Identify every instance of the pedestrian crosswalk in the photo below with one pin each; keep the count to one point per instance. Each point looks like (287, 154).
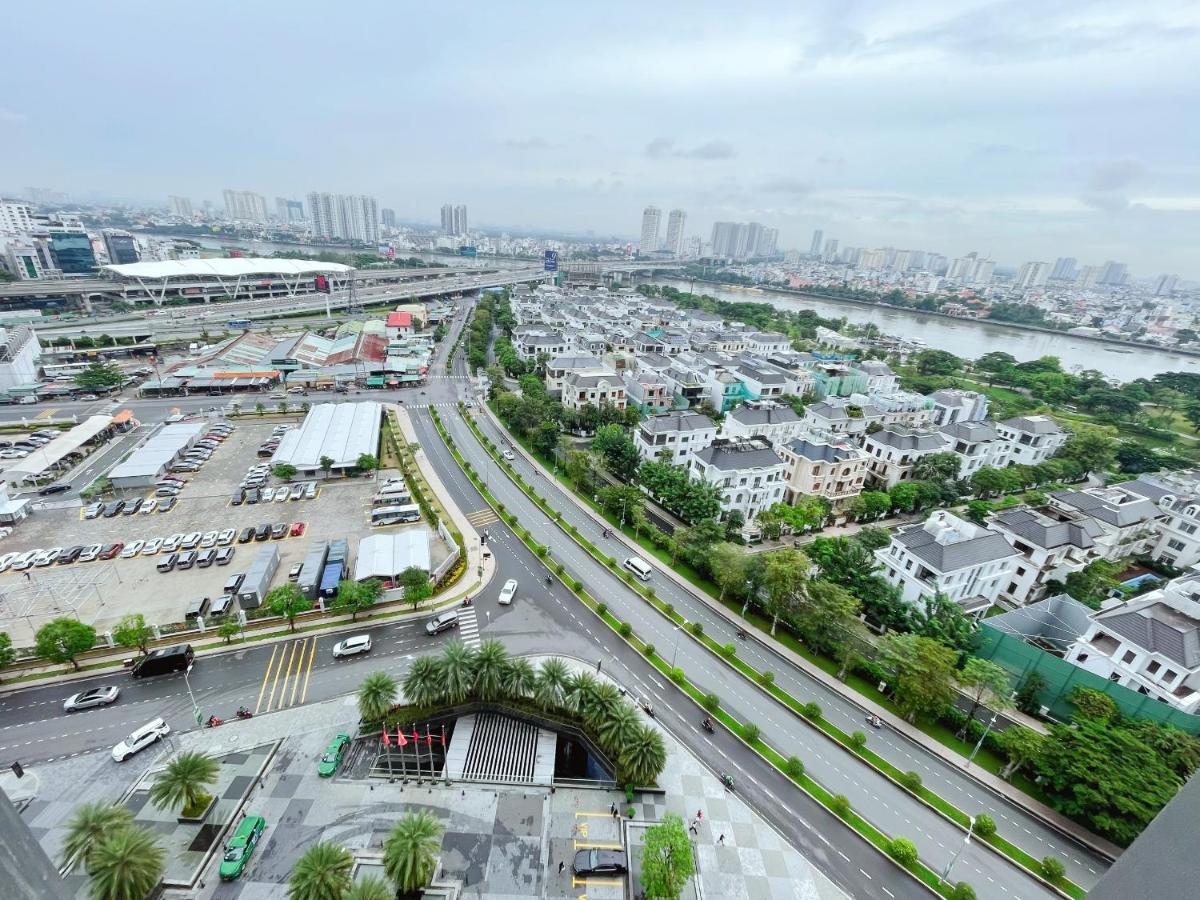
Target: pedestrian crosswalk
(482, 517)
(468, 627)
(450, 405)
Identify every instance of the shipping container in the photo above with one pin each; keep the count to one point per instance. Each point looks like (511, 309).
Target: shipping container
(333, 574)
(257, 582)
(310, 572)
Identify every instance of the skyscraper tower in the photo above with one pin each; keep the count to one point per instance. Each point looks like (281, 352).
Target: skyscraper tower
(675, 223)
(818, 241)
(460, 219)
(651, 217)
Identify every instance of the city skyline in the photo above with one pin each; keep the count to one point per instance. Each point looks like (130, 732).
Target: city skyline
(960, 130)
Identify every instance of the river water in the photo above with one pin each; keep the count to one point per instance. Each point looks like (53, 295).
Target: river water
(968, 338)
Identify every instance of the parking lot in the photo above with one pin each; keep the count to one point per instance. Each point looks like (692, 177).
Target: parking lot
(340, 509)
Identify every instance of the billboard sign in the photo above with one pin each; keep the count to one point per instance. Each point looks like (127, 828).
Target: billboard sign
(551, 261)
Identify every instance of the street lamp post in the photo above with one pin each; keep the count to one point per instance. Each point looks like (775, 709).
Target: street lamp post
(982, 738)
(624, 500)
(188, 684)
(675, 650)
(950, 865)
(749, 594)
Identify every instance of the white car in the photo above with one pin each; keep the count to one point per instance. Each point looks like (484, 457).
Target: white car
(268, 494)
(25, 560)
(90, 553)
(281, 495)
(150, 505)
(310, 490)
(508, 592)
(360, 643)
(171, 544)
(141, 739)
(507, 454)
(152, 547)
(13, 454)
(47, 557)
(225, 538)
(132, 549)
(209, 539)
(101, 696)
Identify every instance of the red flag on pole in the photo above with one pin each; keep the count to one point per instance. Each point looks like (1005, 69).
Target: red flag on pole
(428, 737)
(401, 741)
(443, 736)
(416, 737)
(387, 741)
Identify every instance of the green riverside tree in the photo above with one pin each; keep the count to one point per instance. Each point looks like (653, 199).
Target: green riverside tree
(62, 640)
(667, 861)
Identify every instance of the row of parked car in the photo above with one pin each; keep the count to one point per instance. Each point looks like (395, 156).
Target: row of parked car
(21, 448)
(131, 507)
(216, 541)
(268, 447)
(197, 455)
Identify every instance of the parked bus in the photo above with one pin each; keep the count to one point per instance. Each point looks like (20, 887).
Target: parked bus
(64, 370)
(395, 515)
(238, 323)
(380, 500)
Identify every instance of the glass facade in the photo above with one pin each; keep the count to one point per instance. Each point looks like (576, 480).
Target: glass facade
(73, 253)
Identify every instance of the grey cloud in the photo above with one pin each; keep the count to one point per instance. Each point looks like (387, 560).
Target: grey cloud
(1107, 202)
(529, 143)
(786, 186)
(663, 148)
(1114, 175)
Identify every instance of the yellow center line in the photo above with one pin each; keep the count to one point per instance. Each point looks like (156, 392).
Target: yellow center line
(266, 677)
(596, 845)
(607, 814)
(279, 671)
(299, 669)
(308, 672)
(584, 882)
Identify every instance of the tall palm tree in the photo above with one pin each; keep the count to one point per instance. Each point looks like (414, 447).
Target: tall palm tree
(376, 695)
(519, 678)
(620, 727)
(126, 864)
(370, 887)
(488, 670)
(322, 873)
(422, 685)
(606, 698)
(89, 823)
(182, 784)
(550, 691)
(456, 669)
(581, 690)
(410, 851)
(643, 758)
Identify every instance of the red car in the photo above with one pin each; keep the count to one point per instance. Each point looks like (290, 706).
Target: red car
(298, 529)
(111, 550)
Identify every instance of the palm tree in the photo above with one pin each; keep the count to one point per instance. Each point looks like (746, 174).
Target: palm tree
(606, 699)
(551, 688)
(126, 864)
(620, 727)
(410, 851)
(89, 823)
(519, 680)
(422, 683)
(456, 670)
(322, 873)
(488, 670)
(371, 887)
(580, 692)
(376, 695)
(182, 784)
(643, 758)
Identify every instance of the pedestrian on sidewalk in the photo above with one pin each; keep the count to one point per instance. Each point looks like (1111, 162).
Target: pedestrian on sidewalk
(612, 808)
(561, 864)
(721, 840)
(598, 662)
(692, 828)
(700, 815)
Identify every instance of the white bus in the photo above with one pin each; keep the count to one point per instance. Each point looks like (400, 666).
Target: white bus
(395, 515)
(391, 500)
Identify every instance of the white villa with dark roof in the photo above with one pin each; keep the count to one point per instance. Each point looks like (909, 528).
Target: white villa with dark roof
(1034, 439)
(944, 554)
(1051, 548)
(1177, 496)
(834, 470)
(893, 451)
(749, 473)
(674, 435)
(977, 444)
(776, 423)
(597, 388)
(1127, 520)
(1150, 644)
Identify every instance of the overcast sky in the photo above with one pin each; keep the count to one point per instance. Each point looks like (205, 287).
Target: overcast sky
(1021, 130)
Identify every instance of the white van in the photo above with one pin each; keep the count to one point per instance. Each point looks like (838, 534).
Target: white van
(394, 486)
(141, 739)
(639, 567)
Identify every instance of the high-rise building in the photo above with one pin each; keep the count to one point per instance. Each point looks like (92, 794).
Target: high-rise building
(872, 259)
(180, 206)
(768, 243)
(347, 217)
(962, 267)
(388, 216)
(831, 250)
(1113, 273)
(121, 246)
(1064, 269)
(72, 252)
(1032, 275)
(1164, 286)
(245, 206)
(981, 272)
(651, 217)
(454, 219)
(1088, 277)
(289, 211)
(675, 225)
(447, 219)
(460, 219)
(818, 241)
(754, 234)
(16, 217)
(900, 261)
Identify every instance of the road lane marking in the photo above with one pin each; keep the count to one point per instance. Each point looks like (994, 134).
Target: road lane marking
(290, 652)
(299, 670)
(266, 677)
(308, 674)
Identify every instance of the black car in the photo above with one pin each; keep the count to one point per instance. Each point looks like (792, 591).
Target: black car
(246, 536)
(134, 505)
(54, 489)
(69, 555)
(278, 530)
(599, 862)
(238, 498)
(253, 496)
(114, 509)
(165, 504)
(262, 532)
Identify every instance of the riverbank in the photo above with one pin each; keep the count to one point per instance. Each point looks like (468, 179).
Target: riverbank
(1119, 345)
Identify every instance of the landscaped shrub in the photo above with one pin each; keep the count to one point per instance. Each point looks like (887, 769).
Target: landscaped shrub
(611, 562)
(543, 551)
(766, 677)
(911, 781)
(648, 649)
(651, 593)
(794, 767)
(678, 676)
(629, 793)
(577, 586)
(628, 576)
(696, 628)
(858, 740)
(985, 825)
(750, 732)
(840, 805)
(625, 629)
(962, 891)
(669, 609)
(712, 702)
(903, 851)
(1052, 869)
(729, 651)
(811, 710)
(601, 608)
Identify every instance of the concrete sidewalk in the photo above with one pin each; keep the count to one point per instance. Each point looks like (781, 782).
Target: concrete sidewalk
(992, 782)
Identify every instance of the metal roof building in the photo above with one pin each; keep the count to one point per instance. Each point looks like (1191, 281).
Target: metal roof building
(40, 461)
(145, 464)
(385, 556)
(244, 266)
(340, 431)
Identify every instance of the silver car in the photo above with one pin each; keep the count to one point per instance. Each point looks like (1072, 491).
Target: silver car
(101, 696)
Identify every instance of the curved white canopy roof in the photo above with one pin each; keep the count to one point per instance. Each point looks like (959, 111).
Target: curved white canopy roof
(224, 268)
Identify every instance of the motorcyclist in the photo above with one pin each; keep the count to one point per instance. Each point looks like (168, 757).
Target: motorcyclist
(707, 724)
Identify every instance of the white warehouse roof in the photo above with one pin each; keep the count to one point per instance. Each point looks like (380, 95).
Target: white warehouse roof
(341, 431)
(385, 556)
(223, 268)
(58, 449)
(156, 453)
